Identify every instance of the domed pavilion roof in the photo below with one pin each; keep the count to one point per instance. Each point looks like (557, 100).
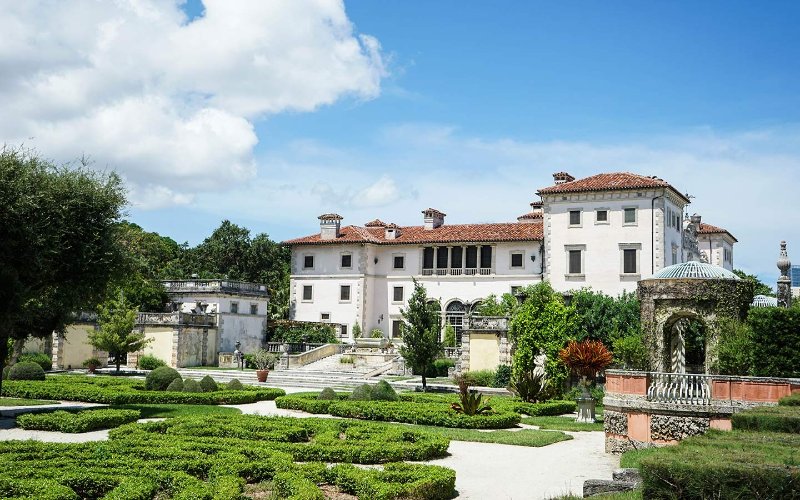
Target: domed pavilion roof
(696, 270)
(764, 301)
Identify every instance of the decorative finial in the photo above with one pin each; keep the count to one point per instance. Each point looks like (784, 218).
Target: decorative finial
(784, 264)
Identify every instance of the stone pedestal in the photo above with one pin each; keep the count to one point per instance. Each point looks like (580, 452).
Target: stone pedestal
(586, 413)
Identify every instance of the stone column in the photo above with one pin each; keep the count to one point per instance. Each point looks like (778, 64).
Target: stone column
(784, 282)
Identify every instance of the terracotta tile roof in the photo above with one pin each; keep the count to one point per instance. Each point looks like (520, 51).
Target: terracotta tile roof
(709, 229)
(375, 223)
(457, 233)
(616, 181)
(531, 215)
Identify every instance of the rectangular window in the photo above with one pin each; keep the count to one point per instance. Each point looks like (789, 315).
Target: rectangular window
(234, 308)
(344, 293)
(307, 292)
(441, 257)
(325, 317)
(486, 257)
(399, 262)
(630, 216)
(516, 259)
(674, 256)
(427, 258)
(343, 331)
(472, 257)
(575, 266)
(253, 308)
(347, 261)
(515, 290)
(455, 257)
(601, 216)
(397, 294)
(629, 261)
(308, 262)
(397, 329)
(574, 217)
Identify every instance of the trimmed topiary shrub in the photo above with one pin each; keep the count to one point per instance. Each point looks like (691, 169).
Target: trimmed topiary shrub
(148, 362)
(769, 419)
(41, 359)
(26, 370)
(235, 385)
(190, 385)
(327, 394)
(502, 376)
(175, 386)
(362, 393)
(481, 378)
(207, 384)
(383, 392)
(160, 378)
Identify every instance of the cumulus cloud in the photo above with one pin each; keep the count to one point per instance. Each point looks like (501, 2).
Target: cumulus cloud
(167, 102)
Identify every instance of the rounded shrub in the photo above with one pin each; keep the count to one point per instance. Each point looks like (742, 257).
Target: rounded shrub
(207, 384)
(235, 385)
(327, 394)
(190, 385)
(160, 378)
(175, 386)
(41, 359)
(361, 393)
(26, 370)
(384, 392)
(148, 362)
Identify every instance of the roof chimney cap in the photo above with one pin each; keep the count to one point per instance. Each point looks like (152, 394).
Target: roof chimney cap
(329, 225)
(375, 223)
(433, 218)
(562, 177)
(330, 217)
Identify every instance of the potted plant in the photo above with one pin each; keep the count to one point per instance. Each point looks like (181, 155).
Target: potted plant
(264, 361)
(92, 364)
(585, 358)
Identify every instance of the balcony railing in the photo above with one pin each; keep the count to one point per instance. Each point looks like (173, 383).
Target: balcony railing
(220, 286)
(680, 388)
(174, 318)
(489, 323)
(452, 352)
(458, 271)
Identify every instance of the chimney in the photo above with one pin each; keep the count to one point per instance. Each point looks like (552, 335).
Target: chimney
(329, 226)
(537, 207)
(536, 213)
(391, 231)
(562, 177)
(433, 218)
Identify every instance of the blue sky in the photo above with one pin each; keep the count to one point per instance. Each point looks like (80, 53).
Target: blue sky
(467, 107)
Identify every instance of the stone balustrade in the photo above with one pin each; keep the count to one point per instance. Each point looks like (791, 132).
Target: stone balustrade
(216, 286)
(489, 323)
(174, 319)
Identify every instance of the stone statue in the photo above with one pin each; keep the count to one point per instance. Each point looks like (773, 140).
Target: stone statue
(784, 282)
(539, 362)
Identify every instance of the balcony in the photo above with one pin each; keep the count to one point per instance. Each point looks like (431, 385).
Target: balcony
(174, 319)
(216, 286)
(458, 271)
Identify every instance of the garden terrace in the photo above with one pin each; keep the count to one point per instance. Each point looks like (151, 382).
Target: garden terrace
(119, 390)
(174, 318)
(218, 456)
(646, 408)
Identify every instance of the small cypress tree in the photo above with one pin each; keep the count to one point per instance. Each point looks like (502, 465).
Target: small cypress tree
(421, 325)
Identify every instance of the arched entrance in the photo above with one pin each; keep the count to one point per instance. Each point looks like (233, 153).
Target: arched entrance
(685, 344)
(455, 313)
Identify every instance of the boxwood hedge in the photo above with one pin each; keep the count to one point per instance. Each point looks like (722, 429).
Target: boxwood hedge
(182, 458)
(84, 421)
(118, 390)
(768, 418)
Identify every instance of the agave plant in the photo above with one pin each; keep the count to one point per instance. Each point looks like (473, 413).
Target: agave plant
(530, 386)
(470, 399)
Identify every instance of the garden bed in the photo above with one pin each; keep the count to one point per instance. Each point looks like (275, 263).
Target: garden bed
(118, 391)
(77, 422)
(216, 456)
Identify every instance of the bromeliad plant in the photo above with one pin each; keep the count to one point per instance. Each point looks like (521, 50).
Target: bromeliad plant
(530, 386)
(586, 358)
(470, 399)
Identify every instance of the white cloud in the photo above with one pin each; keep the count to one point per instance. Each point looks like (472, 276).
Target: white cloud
(168, 103)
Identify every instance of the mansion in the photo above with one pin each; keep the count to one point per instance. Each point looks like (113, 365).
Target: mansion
(606, 231)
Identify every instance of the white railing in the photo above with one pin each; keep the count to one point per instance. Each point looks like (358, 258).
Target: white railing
(485, 271)
(471, 271)
(427, 272)
(458, 271)
(680, 388)
(241, 287)
(441, 272)
(452, 352)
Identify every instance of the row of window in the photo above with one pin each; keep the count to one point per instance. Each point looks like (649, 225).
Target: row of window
(629, 216)
(674, 219)
(346, 261)
(235, 308)
(629, 258)
(398, 293)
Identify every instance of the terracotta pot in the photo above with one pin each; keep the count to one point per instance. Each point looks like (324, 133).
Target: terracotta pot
(262, 375)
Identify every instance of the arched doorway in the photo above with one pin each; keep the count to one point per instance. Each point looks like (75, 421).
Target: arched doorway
(685, 343)
(455, 312)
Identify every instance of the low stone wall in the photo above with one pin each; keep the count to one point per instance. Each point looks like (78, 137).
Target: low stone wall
(632, 421)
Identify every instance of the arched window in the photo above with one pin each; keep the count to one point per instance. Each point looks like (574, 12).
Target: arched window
(454, 315)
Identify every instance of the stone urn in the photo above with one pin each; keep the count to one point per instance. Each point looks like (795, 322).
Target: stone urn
(261, 375)
(586, 404)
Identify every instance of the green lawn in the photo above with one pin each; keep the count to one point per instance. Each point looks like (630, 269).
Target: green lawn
(24, 402)
(524, 437)
(563, 423)
(177, 410)
(628, 495)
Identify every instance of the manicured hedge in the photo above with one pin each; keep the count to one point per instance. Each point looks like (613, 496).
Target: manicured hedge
(769, 419)
(793, 400)
(438, 414)
(118, 390)
(724, 465)
(84, 421)
(184, 459)
(500, 403)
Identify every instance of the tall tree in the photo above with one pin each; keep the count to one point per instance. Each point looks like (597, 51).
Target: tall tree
(116, 335)
(58, 241)
(421, 324)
